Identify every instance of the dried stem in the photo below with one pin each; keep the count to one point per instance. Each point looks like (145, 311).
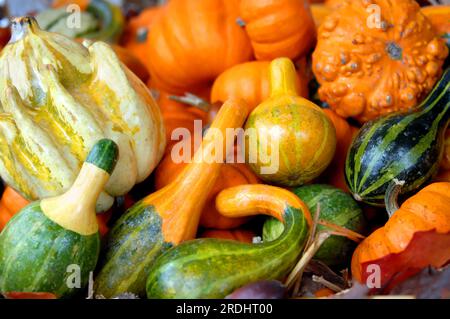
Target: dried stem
(326, 283)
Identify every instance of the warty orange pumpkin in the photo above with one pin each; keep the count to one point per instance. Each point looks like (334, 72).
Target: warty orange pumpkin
(278, 28)
(368, 68)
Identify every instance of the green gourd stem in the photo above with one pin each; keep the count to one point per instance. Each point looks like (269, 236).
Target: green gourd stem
(282, 78)
(104, 155)
(391, 199)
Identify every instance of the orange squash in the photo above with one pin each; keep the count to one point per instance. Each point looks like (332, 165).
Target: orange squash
(12, 202)
(231, 174)
(250, 82)
(439, 17)
(83, 4)
(132, 62)
(193, 42)
(334, 174)
(278, 28)
(242, 235)
(320, 12)
(367, 68)
(424, 220)
(137, 31)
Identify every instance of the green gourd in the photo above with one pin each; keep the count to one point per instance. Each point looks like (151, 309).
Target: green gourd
(399, 148)
(214, 268)
(336, 207)
(46, 244)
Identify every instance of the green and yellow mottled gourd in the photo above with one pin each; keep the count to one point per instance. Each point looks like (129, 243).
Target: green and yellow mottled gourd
(170, 215)
(213, 268)
(290, 140)
(52, 240)
(57, 99)
(400, 147)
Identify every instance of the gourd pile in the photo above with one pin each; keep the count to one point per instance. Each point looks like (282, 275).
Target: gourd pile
(348, 100)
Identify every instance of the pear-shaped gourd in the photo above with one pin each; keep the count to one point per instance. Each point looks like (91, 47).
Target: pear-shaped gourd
(403, 148)
(290, 140)
(170, 215)
(213, 268)
(52, 245)
(57, 98)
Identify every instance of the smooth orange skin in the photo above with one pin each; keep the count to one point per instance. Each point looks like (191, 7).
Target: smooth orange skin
(132, 62)
(439, 17)
(195, 41)
(428, 210)
(83, 4)
(278, 28)
(319, 12)
(181, 202)
(250, 82)
(242, 235)
(358, 77)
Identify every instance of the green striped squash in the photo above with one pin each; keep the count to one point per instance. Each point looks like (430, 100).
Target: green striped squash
(399, 147)
(336, 207)
(52, 245)
(213, 268)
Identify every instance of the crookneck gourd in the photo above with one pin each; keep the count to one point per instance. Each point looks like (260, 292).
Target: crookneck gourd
(168, 216)
(290, 140)
(406, 147)
(57, 99)
(52, 245)
(213, 268)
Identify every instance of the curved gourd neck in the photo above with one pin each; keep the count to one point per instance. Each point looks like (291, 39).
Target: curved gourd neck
(282, 78)
(438, 101)
(180, 203)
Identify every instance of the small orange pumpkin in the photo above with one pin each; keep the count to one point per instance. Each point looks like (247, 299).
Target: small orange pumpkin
(278, 28)
(132, 62)
(320, 12)
(439, 17)
(193, 42)
(424, 217)
(250, 82)
(369, 68)
(242, 235)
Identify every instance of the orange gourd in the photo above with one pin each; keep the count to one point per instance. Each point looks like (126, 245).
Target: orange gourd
(193, 42)
(231, 174)
(137, 31)
(278, 28)
(242, 235)
(334, 174)
(319, 13)
(12, 202)
(426, 215)
(83, 4)
(250, 82)
(368, 68)
(132, 62)
(439, 17)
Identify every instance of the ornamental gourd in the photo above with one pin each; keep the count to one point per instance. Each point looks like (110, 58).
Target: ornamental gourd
(250, 82)
(278, 28)
(366, 70)
(57, 99)
(44, 240)
(238, 234)
(336, 207)
(214, 268)
(439, 17)
(423, 218)
(293, 141)
(407, 147)
(168, 216)
(193, 42)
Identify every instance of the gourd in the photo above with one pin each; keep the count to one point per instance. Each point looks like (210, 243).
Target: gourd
(336, 207)
(168, 216)
(242, 235)
(278, 28)
(231, 174)
(48, 238)
(296, 137)
(99, 20)
(132, 62)
(57, 99)
(250, 82)
(370, 69)
(213, 268)
(319, 13)
(406, 147)
(193, 42)
(438, 16)
(423, 218)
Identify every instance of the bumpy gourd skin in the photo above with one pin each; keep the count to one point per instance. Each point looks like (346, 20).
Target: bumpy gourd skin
(213, 268)
(57, 98)
(407, 147)
(35, 254)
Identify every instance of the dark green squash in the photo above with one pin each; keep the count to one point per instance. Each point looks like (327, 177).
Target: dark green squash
(213, 268)
(336, 207)
(50, 242)
(399, 147)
